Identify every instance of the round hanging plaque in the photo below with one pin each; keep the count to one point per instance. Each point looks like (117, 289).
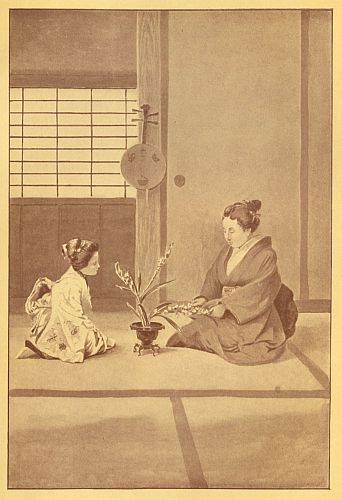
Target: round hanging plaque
(143, 165)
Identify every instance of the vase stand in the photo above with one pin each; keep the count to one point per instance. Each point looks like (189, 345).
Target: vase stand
(139, 347)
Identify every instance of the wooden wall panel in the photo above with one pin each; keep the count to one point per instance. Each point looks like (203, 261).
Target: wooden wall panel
(15, 253)
(39, 244)
(118, 241)
(44, 225)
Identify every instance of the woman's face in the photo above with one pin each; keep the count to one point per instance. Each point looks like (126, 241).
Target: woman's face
(234, 234)
(93, 265)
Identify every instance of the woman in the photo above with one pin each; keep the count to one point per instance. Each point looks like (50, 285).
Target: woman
(59, 311)
(241, 290)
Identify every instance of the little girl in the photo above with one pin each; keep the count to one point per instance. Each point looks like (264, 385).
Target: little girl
(61, 328)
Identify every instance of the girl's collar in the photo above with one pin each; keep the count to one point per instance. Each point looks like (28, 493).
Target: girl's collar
(72, 272)
(82, 276)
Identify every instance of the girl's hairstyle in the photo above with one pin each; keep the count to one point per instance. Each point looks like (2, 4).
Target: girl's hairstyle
(245, 212)
(79, 252)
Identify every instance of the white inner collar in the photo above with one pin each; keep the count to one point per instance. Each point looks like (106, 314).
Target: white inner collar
(238, 253)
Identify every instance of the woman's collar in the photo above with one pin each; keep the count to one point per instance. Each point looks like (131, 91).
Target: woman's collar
(249, 243)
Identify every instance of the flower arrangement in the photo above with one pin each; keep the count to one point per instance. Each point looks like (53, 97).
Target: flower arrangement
(141, 294)
(187, 309)
(163, 309)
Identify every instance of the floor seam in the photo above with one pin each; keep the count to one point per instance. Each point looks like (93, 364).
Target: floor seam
(169, 393)
(317, 372)
(189, 451)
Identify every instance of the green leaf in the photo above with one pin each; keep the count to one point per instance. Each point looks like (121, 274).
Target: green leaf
(161, 306)
(132, 308)
(159, 309)
(143, 314)
(123, 287)
(169, 320)
(154, 289)
(139, 281)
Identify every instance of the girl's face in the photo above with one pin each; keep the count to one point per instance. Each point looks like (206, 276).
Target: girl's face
(234, 234)
(93, 265)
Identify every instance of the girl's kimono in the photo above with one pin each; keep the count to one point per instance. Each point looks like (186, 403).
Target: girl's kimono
(250, 332)
(61, 328)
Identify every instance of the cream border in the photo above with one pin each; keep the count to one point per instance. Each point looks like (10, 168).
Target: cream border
(336, 434)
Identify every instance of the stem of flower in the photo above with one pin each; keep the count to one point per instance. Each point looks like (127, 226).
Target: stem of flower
(144, 318)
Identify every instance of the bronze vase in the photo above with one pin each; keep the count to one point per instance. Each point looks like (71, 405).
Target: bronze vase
(146, 335)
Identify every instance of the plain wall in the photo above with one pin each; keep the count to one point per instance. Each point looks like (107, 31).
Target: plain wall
(234, 133)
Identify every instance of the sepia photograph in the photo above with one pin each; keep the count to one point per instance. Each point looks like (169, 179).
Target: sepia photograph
(170, 248)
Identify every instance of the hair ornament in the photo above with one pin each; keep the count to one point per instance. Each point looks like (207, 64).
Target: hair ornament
(78, 246)
(252, 211)
(64, 250)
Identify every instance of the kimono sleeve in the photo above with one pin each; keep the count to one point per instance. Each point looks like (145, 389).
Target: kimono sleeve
(256, 297)
(69, 304)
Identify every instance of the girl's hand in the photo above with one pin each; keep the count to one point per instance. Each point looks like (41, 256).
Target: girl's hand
(218, 311)
(48, 282)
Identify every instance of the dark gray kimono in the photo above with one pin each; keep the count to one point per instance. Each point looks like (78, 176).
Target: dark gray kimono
(250, 331)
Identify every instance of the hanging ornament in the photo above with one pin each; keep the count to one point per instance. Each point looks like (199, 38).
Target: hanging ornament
(143, 165)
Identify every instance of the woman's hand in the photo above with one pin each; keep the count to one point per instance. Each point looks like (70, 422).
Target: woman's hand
(199, 301)
(211, 303)
(218, 311)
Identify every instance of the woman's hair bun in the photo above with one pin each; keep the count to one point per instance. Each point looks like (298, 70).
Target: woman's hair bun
(254, 206)
(246, 212)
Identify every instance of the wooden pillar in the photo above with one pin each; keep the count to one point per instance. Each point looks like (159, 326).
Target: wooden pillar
(304, 167)
(149, 246)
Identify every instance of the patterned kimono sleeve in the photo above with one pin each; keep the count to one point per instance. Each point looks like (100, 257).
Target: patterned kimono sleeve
(71, 304)
(87, 336)
(212, 287)
(256, 297)
(72, 334)
(87, 307)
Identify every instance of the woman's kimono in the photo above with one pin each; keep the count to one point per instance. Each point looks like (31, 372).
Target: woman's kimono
(61, 328)
(250, 331)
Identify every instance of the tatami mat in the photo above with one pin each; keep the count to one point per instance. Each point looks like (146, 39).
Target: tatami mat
(313, 338)
(96, 443)
(158, 443)
(174, 369)
(108, 432)
(261, 443)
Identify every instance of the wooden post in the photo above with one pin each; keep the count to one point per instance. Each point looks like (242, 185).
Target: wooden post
(148, 211)
(304, 167)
